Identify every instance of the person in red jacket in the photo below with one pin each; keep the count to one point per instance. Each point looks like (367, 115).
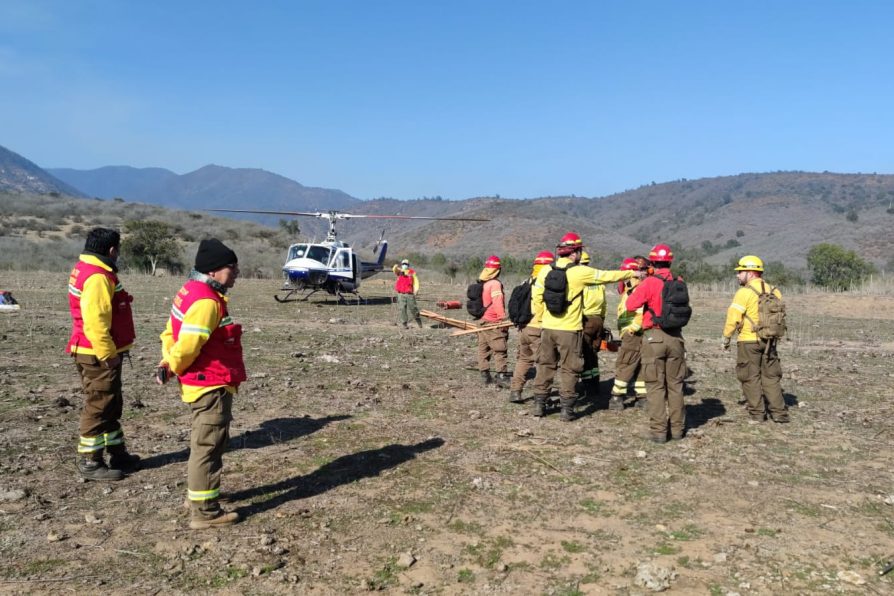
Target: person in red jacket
(407, 287)
(102, 333)
(493, 344)
(663, 352)
(202, 345)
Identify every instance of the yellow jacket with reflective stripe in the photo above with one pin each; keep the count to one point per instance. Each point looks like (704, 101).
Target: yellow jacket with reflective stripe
(579, 277)
(629, 322)
(96, 311)
(745, 303)
(199, 321)
(594, 301)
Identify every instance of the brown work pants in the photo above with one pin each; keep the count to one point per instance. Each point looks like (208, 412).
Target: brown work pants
(493, 344)
(592, 338)
(559, 350)
(211, 416)
(528, 344)
(663, 369)
(628, 363)
(104, 402)
(760, 373)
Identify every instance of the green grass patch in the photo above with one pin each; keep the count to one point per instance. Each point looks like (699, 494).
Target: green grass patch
(488, 553)
(570, 546)
(462, 527)
(767, 532)
(593, 507)
(665, 548)
(384, 577)
(552, 562)
(465, 576)
(688, 532)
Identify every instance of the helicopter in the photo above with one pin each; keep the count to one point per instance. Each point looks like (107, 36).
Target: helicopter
(331, 265)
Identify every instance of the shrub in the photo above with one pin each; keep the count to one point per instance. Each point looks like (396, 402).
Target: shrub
(834, 267)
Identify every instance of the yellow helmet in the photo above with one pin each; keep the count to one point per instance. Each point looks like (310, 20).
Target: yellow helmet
(750, 263)
(584, 258)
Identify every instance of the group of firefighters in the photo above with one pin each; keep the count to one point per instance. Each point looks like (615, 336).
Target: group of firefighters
(651, 358)
(201, 346)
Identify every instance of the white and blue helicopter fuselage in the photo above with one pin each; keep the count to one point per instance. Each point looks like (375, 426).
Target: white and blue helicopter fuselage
(332, 266)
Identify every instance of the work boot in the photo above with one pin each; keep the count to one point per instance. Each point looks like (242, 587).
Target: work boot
(516, 396)
(539, 406)
(567, 406)
(419, 323)
(503, 380)
(93, 467)
(485, 376)
(405, 325)
(781, 418)
(650, 436)
(640, 403)
(616, 403)
(120, 459)
(223, 518)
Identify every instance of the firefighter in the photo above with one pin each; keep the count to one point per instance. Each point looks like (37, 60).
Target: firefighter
(594, 322)
(529, 335)
(561, 337)
(757, 363)
(663, 353)
(493, 344)
(102, 333)
(407, 288)
(201, 344)
(630, 328)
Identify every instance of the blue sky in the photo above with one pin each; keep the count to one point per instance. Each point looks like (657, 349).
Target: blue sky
(454, 98)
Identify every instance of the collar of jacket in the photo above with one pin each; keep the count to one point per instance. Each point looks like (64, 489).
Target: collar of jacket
(203, 278)
(104, 259)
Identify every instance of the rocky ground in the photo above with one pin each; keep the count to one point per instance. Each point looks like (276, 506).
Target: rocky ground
(367, 457)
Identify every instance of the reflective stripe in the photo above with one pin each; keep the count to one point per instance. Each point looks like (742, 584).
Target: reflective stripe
(176, 313)
(91, 444)
(116, 437)
(119, 287)
(203, 495)
(640, 387)
(738, 307)
(590, 374)
(227, 320)
(620, 384)
(74, 291)
(195, 330)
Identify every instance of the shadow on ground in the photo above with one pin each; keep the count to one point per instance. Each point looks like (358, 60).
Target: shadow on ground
(344, 470)
(272, 432)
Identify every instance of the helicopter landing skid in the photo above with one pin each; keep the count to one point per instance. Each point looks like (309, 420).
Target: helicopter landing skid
(289, 292)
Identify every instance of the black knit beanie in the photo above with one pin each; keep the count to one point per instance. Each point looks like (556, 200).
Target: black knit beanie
(212, 255)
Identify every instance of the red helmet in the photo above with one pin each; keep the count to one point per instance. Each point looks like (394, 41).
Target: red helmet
(569, 243)
(544, 257)
(661, 253)
(629, 265)
(492, 262)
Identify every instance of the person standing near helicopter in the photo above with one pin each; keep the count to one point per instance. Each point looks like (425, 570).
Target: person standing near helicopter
(406, 286)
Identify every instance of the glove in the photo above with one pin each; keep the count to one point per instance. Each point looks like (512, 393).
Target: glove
(725, 343)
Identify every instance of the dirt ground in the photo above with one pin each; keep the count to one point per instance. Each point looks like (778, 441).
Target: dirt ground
(367, 457)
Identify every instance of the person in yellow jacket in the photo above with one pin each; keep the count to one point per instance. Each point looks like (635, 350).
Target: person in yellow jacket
(594, 322)
(529, 334)
(630, 328)
(407, 287)
(102, 334)
(562, 335)
(201, 344)
(757, 363)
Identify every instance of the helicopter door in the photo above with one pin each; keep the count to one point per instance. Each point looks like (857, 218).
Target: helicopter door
(356, 269)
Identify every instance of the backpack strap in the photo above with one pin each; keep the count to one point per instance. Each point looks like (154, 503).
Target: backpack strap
(663, 283)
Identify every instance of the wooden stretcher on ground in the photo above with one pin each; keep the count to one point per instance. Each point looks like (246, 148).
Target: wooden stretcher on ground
(463, 326)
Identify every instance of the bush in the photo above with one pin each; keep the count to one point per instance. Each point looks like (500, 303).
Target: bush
(834, 267)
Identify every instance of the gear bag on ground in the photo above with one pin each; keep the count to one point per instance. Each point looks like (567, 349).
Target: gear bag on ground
(475, 299)
(675, 309)
(770, 322)
(520, 304)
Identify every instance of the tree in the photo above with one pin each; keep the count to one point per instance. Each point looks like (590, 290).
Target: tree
(149, 244)
(835, 267)
(290, 227)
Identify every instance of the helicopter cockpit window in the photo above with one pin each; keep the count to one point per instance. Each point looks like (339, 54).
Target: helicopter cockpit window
(340, 261)
(297, 251)
(318, 253)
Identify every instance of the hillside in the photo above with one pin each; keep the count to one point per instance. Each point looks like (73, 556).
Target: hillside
(18, 174)
(208, 187)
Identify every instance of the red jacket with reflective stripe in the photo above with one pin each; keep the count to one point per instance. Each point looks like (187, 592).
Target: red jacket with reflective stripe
(122, 330)
(404, 283)
(220, 361)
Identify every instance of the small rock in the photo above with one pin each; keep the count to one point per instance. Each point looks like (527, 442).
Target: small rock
(256, 330)
(91, 518)
(474, 414)
(256, 571)
(720, 557)
(753, 483)
(641, 454)
(56, 536)
(16, 494)
(578, 460)
(851, 577)
(654, 577)
(502, 568)
(889, 500)
(661, 527)
(267, 540)
(524, 432)
(405, 560)
(328, 358)
(62, 402)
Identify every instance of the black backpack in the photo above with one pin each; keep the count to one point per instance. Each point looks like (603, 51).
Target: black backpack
(555, 290)
(475, 299)
(520, 304)
(675, 309)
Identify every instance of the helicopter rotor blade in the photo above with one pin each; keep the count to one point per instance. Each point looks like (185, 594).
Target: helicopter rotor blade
(301, 213)
(415, 217)
(340, 215)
